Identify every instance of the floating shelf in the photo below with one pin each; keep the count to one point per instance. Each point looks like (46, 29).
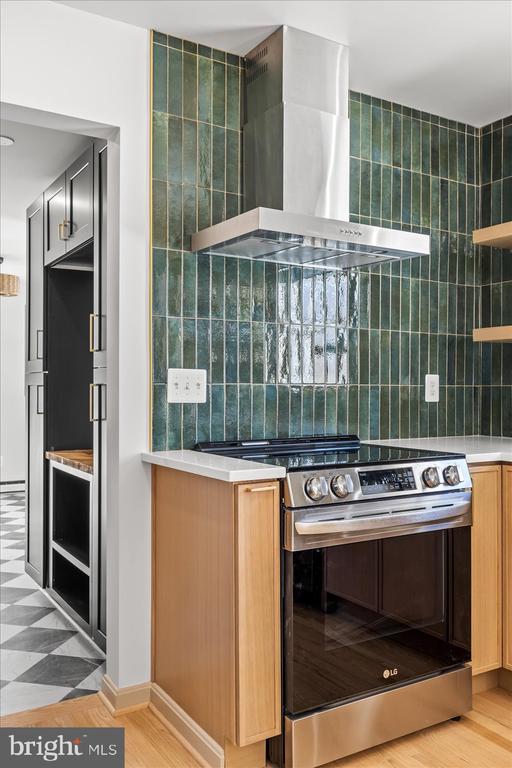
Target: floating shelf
(499, 236)
(497, 333)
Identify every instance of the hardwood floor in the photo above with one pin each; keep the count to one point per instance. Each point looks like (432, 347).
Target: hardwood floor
(482, 738)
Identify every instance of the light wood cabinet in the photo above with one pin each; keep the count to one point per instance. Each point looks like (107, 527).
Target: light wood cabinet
(507, 566)
(257, 607)
(486, 564)
(216, 608)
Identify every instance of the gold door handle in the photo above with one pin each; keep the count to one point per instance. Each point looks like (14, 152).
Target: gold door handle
(91, 402)
(260, 489)
(63, 230)
(92, 348)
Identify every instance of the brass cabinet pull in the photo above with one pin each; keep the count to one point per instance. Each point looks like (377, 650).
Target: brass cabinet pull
(39, 335)
(261, 489)
(91, 402)
(92, 348)
(39, 408)
(63, 230)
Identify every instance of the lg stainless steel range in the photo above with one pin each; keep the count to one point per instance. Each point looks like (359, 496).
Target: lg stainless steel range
(376, 584)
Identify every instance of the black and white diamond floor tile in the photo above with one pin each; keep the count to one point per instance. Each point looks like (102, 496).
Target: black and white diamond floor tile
(43, 658)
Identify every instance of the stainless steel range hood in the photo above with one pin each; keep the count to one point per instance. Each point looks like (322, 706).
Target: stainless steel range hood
(296, 165)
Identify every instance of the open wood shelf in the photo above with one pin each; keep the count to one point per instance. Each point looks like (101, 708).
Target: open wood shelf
(497, 333)
(498, 236)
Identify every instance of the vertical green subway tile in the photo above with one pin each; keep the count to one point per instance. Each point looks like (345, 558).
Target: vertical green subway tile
(159, 169)
(159, 417)
(190, 86)
(204, 155)
(425, 147)
(355, 185)
(189, 343)
(232, 161)
(217, 414)
(231, 289)
(160, 78)
(366, 152)
(217, 286)
(159, 214)
(396, 196)
(175, 150)
(443, 152)
(217, 351)
(270, 411)
(397, 140)
(233, 98)
(365, 186)
(159, 350)
(231, 352)
(386, 154)
(219, 94)
(244, 290)
(159, 282)
(258, 412)
(461, 156)
(353, 410)
(376, 135)
(203, 345)
(205, 90)
(175, 82)
(203, 285)
(355, 128)
(386, 192)
(189, 152)
(364, 412)
(406, 197)
(204, 208)
(219, 158)
(189, 214)
(174, 288)
(376, 196)
(189, 303)
(416, 145)
(218, 206)
(452, 154)
(231, 419)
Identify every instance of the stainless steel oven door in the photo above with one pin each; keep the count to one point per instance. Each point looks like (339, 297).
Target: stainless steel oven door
(376, 596)
(332, 525)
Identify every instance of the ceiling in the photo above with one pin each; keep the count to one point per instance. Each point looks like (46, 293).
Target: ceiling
(36, 158)
(447, 57)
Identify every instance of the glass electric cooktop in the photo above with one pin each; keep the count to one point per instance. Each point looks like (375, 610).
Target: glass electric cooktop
(323, 451)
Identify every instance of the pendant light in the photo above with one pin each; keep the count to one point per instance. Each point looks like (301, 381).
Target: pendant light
(9, 284)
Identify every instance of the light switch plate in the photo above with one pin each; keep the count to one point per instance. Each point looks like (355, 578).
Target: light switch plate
(431, 388)
(186, 385)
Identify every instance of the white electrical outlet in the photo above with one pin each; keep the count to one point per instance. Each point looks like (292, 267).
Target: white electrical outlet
(186, 385)
(431, 388)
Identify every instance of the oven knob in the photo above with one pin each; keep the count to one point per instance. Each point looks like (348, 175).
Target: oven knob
(431, 477)
(340, 486)
(451, 475)
(316, 488)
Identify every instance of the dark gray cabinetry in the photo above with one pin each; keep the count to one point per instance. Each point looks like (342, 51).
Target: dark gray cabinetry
(35, 287)
(79, 200)
(99, 318)
(69, 209)
(35, 398)
(99, 516)
(55, 229)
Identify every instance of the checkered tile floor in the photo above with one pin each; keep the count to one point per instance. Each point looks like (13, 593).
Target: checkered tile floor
(43, 659)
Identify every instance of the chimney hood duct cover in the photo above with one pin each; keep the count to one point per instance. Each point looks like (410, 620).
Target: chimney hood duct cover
(297, 166)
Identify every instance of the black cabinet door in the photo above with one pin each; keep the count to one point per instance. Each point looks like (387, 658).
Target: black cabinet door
(98, 412)
(99, 321)
(79, 200)
(36, 477)
(55, 224)
(35, 288)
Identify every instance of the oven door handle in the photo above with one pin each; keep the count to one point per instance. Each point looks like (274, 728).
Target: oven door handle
(413, 518)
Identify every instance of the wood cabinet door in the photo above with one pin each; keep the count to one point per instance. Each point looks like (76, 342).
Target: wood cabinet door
(55, 220)
(258, 654)
(35, 286)
(79, 200)
(507, 565)
(486, 563)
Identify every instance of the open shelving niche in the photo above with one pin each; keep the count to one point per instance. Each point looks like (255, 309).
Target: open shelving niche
(70, 539)
(497, 236)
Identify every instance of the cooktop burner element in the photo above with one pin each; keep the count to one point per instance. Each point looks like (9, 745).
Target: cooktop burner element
(337, 468)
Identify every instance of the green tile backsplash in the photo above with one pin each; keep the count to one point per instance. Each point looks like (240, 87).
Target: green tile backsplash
(291, 350)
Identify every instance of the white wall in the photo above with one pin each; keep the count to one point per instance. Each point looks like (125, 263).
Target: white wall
(12, 356)
(59, 60)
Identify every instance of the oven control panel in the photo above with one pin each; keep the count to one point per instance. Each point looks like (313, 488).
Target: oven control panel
(387, 480)
(348, 484)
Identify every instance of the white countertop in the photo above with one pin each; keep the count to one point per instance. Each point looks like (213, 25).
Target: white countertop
(218, 467)
(478, 448)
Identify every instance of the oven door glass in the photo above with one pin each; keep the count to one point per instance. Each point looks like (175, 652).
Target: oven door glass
(361, 617)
